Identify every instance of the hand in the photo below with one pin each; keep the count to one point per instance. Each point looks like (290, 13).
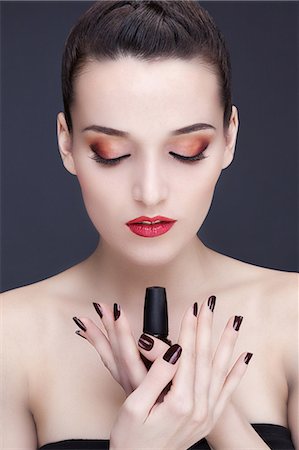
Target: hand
(201, 385)
(116, 346)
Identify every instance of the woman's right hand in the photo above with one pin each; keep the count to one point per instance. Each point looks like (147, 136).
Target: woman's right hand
(201, 387)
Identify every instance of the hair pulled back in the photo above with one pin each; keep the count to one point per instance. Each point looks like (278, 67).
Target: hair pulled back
(147, 30)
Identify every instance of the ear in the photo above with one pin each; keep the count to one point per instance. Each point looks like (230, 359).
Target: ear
(231, 138)
(65, 144)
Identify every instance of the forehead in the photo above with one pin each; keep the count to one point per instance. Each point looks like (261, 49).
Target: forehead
(126, 91)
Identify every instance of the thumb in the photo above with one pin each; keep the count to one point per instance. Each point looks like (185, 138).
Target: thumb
(160, 374)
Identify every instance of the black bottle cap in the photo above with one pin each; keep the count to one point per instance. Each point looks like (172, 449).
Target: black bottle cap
(155, 318)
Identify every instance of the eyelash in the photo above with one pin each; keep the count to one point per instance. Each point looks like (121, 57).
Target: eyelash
(114, 161)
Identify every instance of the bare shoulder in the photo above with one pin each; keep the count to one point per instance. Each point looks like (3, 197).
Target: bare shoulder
(20, 303)
(271, 293)
(273, 298)
(19, 321)
(17, 420)
(40, 345)
(29, 311)
(281, 294)
(17, 307)
(37, 295)
(281, 290)
(276, 286)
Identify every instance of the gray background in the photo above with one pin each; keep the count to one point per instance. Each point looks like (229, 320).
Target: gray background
(44, 226)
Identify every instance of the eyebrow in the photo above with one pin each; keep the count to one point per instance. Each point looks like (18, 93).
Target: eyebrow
(114, 132)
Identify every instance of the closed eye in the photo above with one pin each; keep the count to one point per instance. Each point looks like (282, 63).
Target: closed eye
(190, 159)
(111, 161)
(114, 161)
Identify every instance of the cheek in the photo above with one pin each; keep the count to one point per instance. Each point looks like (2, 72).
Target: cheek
(198, 188)
(197, 195)
(102, 197)
(207, 187)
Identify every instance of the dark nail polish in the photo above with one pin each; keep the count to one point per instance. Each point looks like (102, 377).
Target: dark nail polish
(212, 302)
(195, 309)
(98, 309)
(173, 354)
(78, 333)
(116, 311)
(248, 358)
(79, 323)
(237, 322)
(146, 342)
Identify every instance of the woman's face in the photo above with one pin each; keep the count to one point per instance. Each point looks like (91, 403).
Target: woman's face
(147, 101)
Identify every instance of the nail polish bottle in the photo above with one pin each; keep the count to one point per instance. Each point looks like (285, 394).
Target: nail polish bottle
(155, 316)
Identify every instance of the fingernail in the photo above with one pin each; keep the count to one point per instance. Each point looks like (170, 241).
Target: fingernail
(211, 302)
(79, 323)
(98, 309)
(248, 358)
(173, 354)
(146, 342)
(237, 322)
(116, 311)
(78, 333)
(195, 309)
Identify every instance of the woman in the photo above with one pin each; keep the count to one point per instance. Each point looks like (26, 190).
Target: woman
(148, 126)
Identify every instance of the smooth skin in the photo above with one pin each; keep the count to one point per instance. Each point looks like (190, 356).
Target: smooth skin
(54, 385)
(202, 384)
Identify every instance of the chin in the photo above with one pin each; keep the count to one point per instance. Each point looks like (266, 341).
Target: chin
(152, 260)
(149, 253)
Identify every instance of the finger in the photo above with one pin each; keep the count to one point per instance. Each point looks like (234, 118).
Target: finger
(232, 381)
(108, 319)
(183, 381)
(160, 374)
(151, 347)
(101, 344)
(222, 357)
(204, 352)
(129, 356)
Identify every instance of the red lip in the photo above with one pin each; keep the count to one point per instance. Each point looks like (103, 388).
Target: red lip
(150, 219)
(150, 230)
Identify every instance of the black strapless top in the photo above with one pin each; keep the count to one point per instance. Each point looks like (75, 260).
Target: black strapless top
(276, 437)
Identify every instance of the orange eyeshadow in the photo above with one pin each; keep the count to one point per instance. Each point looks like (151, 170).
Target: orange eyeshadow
(104, 149)
(185, 146)
(189, 148)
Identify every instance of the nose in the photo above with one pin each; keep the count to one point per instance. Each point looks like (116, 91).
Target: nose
(150, 184)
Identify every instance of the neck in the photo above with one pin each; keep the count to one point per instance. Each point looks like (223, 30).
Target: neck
(124, 280)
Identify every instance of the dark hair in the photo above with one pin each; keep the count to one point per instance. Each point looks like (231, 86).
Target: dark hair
(147, 30)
